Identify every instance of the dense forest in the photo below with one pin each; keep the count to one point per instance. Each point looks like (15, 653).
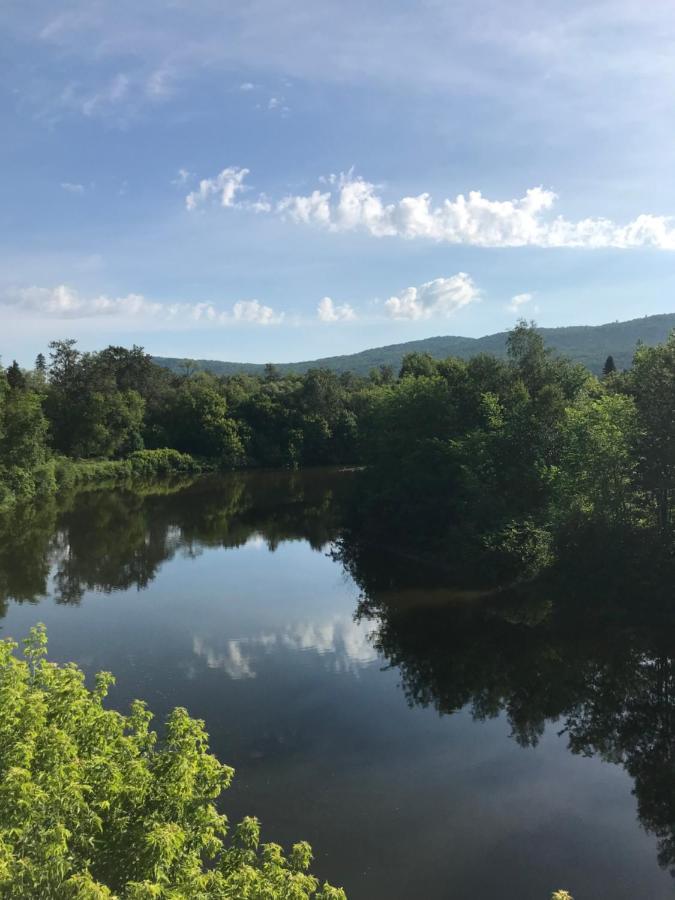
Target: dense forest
(488, 458)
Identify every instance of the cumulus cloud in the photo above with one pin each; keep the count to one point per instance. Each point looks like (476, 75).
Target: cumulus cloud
(253, 311)
(72, 187)
(328, 311)
(518, 301)
(351, 203)
(440, 297)
(225, 186)
(63, 302)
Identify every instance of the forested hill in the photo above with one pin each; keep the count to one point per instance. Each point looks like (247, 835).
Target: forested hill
(588, 344)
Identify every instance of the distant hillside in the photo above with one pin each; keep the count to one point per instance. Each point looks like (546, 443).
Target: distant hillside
(587, 344)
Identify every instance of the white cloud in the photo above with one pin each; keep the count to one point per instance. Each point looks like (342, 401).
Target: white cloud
(518, 301)
(440, 297)
(72, 187)
(253, 311)
(247, 86)
(273, 103)
(226, 185)
(261, 205)
(328, 311)
(353, 204)
(63, 302)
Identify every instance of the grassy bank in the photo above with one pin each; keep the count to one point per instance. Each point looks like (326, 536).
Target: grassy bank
(62, 474)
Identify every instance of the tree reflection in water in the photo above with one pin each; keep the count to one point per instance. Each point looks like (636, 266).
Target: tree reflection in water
(590, 647)
(109, 540)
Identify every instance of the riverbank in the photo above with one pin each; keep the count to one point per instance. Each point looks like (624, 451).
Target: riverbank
(61, 474)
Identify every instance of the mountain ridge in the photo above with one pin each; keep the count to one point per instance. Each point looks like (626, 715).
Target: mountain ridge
(587, 344)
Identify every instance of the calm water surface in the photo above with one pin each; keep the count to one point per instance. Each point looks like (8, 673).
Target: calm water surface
(420, 753)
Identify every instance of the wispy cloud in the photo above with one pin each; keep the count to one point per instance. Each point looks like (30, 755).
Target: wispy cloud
(278, 104)
(328, 311)
(72, 187)
(511, 51)
(182, 177)
(111, 94)
(518, 301)
(225, 186)
(63, 302)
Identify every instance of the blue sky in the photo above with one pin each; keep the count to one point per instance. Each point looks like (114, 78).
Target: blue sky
(287, 179)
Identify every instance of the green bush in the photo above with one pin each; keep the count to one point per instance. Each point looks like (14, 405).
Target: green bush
(140, 464)
(146, 463)
(93, 805)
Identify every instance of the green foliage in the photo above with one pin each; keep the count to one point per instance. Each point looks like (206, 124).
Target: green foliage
(142, 464)
(194, 419)
(494, 460)
(597, 460)
(651, 382)
(462, 455)
(94, 805)
(25, 471)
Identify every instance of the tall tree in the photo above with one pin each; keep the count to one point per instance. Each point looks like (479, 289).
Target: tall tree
(15, 377)
(609, 366)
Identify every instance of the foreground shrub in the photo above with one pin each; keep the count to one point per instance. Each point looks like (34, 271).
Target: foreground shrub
(93, 805)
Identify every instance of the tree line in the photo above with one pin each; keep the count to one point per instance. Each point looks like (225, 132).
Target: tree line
(495, 455)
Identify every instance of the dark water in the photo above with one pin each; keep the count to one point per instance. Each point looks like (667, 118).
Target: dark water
(428, 742)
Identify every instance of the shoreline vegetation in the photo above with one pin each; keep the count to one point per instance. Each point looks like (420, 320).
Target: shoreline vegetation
(502, 459)
(497, 462)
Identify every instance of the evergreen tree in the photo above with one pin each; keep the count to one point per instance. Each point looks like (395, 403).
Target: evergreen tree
(15, 377)
(609, 366)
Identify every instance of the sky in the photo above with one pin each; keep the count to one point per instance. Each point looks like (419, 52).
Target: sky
(282, 180)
